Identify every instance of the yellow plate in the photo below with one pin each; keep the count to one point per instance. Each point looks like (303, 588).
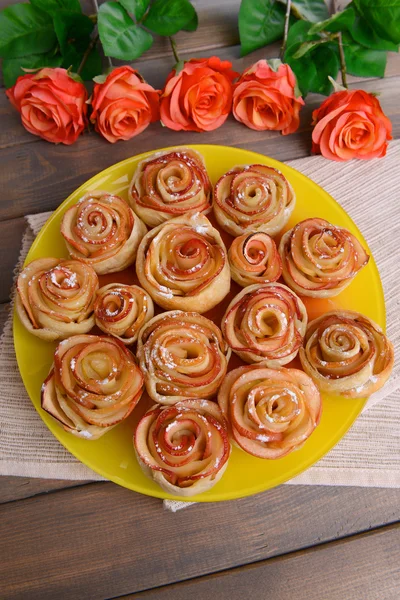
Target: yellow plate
(112, 456)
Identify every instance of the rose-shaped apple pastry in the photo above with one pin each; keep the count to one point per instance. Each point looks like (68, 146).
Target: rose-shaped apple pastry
(121, 310)
(93, 385)
(183, 264)
(184, 448)
(182, 355)
(254, 258)
(55, 297)
(170, 184)
(346, 353)
(265, 323)
(103, 231)
(271, 411)
(320, 259)
(253, 198)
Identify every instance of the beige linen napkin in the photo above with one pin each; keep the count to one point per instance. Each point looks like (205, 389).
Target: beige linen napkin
(369, 453)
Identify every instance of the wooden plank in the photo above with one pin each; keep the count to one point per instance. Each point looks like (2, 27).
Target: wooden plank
(51, 173)
(18, 488)
(11, 233)
(155, 72)
(103, 541)
(362, 567)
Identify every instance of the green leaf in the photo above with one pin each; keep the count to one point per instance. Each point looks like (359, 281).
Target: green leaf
(310, 10)
(306, 47)
(167, 17)
(338, 22)
(363, 62)
(73, 33)
(119, 35)
(363, 33)
(261, 22)
(383, 16)
(299, 33)
(193, 24)
(13, 67)
(326, 60)
(136, 7)
(53, 6)
(274, 63)
(25, 30)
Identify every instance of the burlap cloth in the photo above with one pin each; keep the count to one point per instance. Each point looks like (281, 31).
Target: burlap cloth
(369, 454)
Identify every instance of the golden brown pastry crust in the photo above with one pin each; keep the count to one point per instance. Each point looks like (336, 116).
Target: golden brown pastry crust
(271, 411)
(103, 231)
(93, 385)
(253, 198)
(320, 259)
(170, 184)
(183, 264)
(265, 323)
(182, 355)
(184, 448)
(55, 298)
(254, 258)
(346, 353)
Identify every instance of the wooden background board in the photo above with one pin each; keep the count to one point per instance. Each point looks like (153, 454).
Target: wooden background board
(68, 539)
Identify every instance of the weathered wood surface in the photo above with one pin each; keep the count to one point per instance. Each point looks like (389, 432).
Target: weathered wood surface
(336, 571)
(75, 540)
(101, 541)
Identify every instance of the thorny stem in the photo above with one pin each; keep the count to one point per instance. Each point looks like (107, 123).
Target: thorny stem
(286, 28)
(341, 51)
(87, 52)
(174, 48)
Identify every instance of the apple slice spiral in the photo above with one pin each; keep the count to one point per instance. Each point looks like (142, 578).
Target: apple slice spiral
(254, 258)
(271, 411)
(320, 259)
(103, 231)
(93, 385)
(183, 264)
(265, 323)
(55, 297)
(170, 184)
(347, 353)
(182, 355)
(253, 198)
(121, 310)
(184, 448)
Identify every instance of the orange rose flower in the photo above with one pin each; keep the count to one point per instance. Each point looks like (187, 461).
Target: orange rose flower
(350, 124)
(124, 105)
(265, 99)
(52, 105)
(199, 97)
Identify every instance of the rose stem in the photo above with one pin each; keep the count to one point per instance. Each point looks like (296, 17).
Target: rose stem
(174, 48)
(286, 28)
(87, 52)
(96, 8)
(341, 51)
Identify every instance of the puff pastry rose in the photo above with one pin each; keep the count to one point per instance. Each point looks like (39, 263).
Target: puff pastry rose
(182, 355)
(93, 385)
(103, 231)
(346, 353)
(265, 323)
(254, 258)
(121, 310)
(271, 411)
(253, 198)
(184, 448)
(170, 184)
(55, 297)
(320, 259)
(183, 264)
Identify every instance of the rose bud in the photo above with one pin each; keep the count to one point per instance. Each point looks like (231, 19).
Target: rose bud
(52, 104)
(350, 124)
(199, 97)
(268, 99)
(123, 105)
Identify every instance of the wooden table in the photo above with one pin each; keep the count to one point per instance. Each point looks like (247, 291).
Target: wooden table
(80, 540)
